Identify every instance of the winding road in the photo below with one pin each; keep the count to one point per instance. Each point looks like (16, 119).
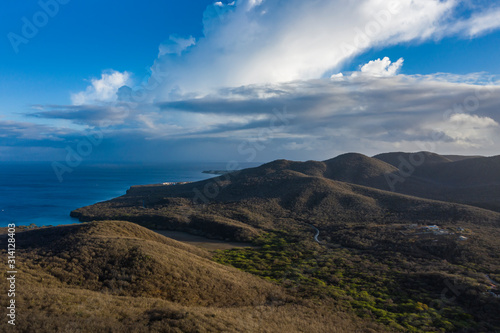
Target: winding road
(316, 235)
(491, 280)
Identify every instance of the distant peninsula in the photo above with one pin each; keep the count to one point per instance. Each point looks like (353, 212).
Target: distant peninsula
(216, 172)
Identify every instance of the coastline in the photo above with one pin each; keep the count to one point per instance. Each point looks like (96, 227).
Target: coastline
(37, 197)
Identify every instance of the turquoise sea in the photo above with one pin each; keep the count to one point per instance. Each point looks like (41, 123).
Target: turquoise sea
(32, 192)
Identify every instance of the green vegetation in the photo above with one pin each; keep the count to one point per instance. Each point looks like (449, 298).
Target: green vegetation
(403, 295)
(377, 268)
(119, 277)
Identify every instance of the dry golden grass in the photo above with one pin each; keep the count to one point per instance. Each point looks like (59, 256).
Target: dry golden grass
(158, 285)
(202, 242)
(108, 256)
(75, 310)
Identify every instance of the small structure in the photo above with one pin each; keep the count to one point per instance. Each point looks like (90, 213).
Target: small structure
(175, 183)
(462, 238)
(430, 228)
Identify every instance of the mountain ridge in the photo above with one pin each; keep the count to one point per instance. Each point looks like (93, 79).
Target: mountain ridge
(285, 188)
(329, 241)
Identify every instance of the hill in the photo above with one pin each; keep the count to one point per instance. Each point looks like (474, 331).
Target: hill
(456, 158)
(356, 168)
(330, 232)
(469, 180)
(125, 259)
(241, 205)
(119, 277)
(427, 158)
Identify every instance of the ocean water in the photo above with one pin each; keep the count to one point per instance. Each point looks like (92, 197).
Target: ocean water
(32, 193)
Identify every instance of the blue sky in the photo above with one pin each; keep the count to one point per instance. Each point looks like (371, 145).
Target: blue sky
(215, 77)
(451, 55)
(84, 39)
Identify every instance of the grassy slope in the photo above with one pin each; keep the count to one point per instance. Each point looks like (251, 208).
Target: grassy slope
(119, 277)
(368, 261)
(125, 259)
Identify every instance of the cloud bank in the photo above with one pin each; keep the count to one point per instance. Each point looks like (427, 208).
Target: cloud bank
(308, 119)
(271, 41)
(260, 80)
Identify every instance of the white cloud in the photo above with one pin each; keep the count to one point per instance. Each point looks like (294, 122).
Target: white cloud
(382, 67)
(271, 41)
(471, 130)
(360, 113)
(254, 3)
(326, 117)
(472, 121)
(479, 23)
(103, 89)
(337, 76)
(257, 55)
(176, 45)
